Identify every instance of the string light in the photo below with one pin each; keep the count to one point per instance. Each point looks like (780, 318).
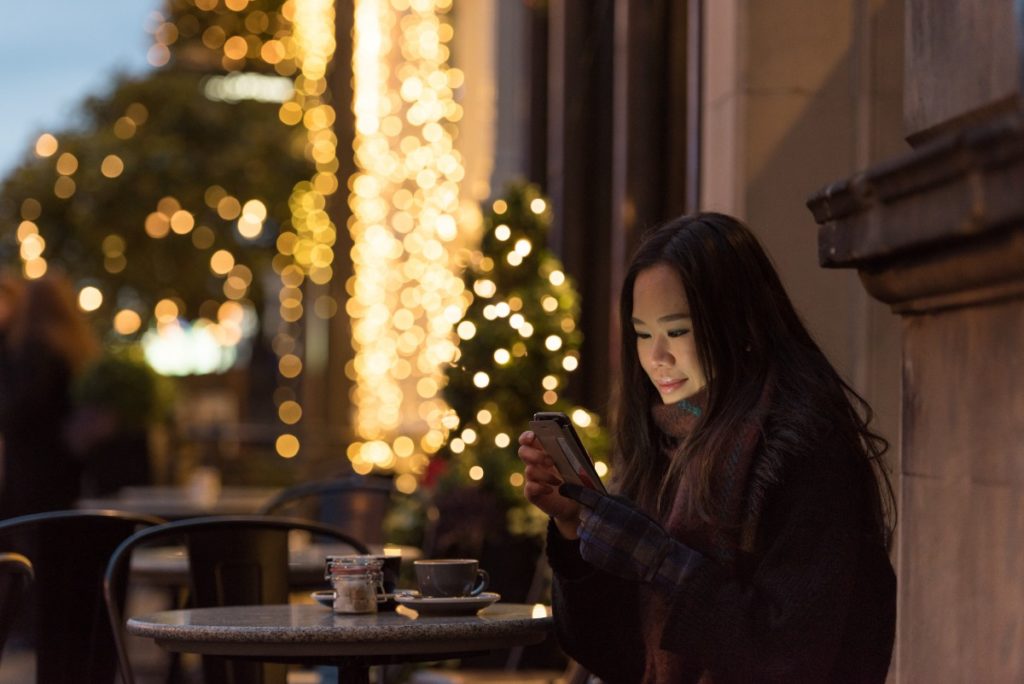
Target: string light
(405, 296)
(306, 252)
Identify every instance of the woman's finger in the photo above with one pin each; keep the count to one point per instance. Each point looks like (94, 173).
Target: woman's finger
(536, 493)
(532, 456)
(528, 438)
(541, 474)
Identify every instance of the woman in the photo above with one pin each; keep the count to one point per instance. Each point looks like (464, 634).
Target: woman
(44, 342)
(748, 539)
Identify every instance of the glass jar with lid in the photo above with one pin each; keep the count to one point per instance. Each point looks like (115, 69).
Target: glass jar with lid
(358, 583)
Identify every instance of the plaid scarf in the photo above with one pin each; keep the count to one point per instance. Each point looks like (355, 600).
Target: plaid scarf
(720, 539)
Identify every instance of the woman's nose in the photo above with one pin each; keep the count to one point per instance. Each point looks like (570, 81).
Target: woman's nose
(660, 353)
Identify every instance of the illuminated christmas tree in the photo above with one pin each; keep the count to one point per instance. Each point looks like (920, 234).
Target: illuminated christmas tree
(518, 346)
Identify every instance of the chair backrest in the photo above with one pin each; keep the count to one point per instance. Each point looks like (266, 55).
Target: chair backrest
(15, 579)
(355, 504)
(69, 551)
(233, 560)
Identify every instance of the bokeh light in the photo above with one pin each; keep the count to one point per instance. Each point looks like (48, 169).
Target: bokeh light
(405, 198)
(90, 298)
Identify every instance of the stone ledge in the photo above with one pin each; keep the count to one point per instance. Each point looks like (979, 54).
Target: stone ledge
(941, 226)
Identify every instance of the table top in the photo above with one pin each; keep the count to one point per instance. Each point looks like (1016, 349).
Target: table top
(316, 632)
(173, 503)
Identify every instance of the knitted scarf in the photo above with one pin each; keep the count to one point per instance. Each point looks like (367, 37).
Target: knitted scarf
(719, 540)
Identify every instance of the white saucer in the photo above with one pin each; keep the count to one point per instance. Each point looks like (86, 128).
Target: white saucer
(440, 605)
(324, 597)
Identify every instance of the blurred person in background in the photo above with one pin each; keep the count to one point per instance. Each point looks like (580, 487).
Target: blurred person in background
(45, 342)
(117, 399)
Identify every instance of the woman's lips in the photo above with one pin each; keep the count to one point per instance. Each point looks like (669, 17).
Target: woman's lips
(667, 387)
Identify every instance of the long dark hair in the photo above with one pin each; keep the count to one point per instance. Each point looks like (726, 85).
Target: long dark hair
(747, 334)
(47, 317)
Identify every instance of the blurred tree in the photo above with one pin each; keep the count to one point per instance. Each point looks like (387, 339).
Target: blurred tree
(146, 196)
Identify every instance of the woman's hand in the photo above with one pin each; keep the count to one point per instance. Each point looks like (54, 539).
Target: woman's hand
(541, 488)
(622, 540)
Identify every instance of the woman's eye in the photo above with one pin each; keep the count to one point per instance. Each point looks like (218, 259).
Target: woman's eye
(642, 335)
(678, 333)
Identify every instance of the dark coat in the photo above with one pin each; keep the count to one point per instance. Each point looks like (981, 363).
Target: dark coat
(39, 472)
(814, 600)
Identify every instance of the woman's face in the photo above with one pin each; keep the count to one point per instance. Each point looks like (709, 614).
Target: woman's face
(664, 334)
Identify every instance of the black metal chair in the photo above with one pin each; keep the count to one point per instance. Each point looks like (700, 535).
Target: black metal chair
(69, 551)
(356, 504)
(15, 579)
(233, 560)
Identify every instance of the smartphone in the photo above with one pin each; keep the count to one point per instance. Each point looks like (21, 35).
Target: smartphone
(559, 438)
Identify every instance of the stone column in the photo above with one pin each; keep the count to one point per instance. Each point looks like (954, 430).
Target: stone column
(939, 235)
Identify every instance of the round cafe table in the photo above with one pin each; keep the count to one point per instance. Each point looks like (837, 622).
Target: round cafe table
(313, 634)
